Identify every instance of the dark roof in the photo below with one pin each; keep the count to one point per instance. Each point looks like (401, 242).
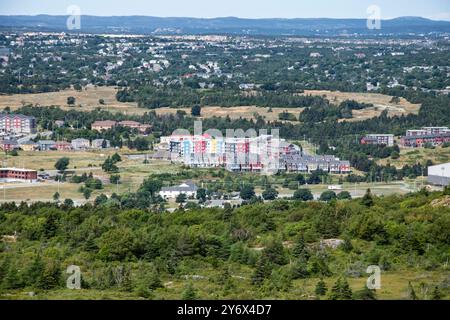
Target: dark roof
(184, 187)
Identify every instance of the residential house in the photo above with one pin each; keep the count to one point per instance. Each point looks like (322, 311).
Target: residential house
(28, 146)
(135, 125)
(100, 144)
(63, 146)
(80, 144)
(8, 145)
(46, 145)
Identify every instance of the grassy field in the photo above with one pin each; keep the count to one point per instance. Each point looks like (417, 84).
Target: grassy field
(394, 286)
(412, 156)
(88, 99)
(381, 102)
(132, 172)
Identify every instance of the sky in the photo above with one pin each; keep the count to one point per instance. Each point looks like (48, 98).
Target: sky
(433, 9)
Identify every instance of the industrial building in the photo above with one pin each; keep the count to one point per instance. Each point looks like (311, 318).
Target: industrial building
(439, 175)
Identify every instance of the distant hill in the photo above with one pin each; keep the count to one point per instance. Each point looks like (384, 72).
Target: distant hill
(227, 25)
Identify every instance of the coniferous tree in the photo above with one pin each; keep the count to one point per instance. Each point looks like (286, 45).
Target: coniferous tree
(321, 288)
(341, 290)
(189, 293)
(300, 250)
(367, 200)
(366, 294)
(262, 271)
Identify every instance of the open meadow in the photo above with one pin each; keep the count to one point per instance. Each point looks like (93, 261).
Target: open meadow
(88, 100)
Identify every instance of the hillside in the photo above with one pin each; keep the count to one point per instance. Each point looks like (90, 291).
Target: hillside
(226, 25)
(256, 251)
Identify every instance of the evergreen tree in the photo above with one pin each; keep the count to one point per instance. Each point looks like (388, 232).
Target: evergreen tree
(34, 272)
(189, 293)
(341, 290)
(299, 269)
(367, 200)
(274, 252)
(56, 196)
(321, 288)
(50, 278)
(262, 271)
(366, 294)
(300, 250)
(346, 292)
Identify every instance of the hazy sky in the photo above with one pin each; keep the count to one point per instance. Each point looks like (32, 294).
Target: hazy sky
(434, 9)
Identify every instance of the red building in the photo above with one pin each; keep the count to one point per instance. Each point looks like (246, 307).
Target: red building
(418, 141)
(15, 174)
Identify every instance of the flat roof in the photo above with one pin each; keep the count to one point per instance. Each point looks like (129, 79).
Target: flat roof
(17, 169)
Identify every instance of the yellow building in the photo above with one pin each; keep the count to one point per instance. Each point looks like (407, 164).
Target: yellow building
(28, 146)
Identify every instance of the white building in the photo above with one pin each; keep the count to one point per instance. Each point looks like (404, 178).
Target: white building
(439, 174)
(379, 139)
(188, 188)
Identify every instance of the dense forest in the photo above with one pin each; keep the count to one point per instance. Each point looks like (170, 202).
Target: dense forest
(271, 250)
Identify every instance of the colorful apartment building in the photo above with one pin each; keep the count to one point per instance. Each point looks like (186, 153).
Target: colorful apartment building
(257, 154)
(17, 124)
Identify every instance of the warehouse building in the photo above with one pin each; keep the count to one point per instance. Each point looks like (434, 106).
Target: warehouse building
(439, 175)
